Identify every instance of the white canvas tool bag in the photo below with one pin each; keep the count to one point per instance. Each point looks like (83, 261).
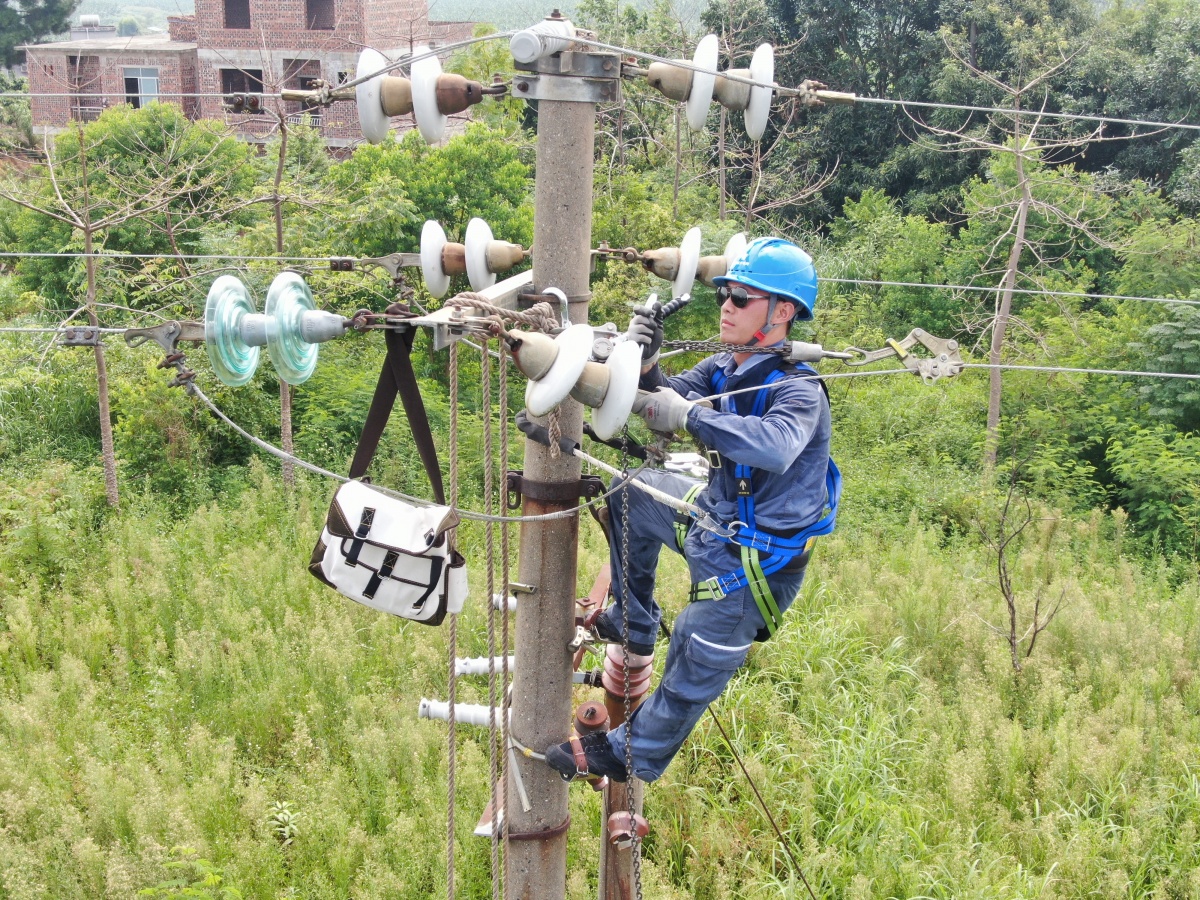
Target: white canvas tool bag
(380, 550)
(390, 555)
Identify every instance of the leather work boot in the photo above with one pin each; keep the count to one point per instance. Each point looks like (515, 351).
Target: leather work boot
(590, 755)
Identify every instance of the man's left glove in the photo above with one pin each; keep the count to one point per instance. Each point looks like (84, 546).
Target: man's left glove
(664, 410)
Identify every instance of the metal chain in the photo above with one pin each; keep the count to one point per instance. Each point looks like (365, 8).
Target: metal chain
(630, 802)
(452, 691)
(485, 376)
(719, 347)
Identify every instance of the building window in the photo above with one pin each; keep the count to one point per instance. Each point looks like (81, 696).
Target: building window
(320, 14)
(141, 86)
(237, 13)
(244, 81)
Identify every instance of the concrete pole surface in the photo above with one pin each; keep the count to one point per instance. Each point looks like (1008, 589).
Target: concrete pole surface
(541, 711)
(616, 866)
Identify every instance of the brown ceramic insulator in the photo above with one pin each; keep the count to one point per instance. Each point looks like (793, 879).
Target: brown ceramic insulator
(639, 681)
(454, 259)
(395, 95)
(455, 93)
(590, 717)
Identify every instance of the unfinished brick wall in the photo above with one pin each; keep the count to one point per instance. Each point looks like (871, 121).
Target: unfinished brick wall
(84, 75)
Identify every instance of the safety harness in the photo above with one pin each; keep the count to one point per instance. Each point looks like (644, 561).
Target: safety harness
(762, 553)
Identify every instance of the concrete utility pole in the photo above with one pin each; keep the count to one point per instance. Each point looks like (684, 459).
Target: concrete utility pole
(567, 86)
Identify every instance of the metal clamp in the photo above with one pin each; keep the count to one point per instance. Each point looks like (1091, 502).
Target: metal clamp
(168, 335)
(80, 336)
(946, 362)
(392, 263)
(560, 492)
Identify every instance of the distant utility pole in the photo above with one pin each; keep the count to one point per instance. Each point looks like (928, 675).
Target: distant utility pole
(568, 87)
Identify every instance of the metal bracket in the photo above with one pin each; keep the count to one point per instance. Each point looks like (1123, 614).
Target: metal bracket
(946, 362)
(392, 263)
(79, 337)
(563, 493)
(571, 76)
(168, 335)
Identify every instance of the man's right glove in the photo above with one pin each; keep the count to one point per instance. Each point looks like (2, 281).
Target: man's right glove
(664, 410)
(646, 328)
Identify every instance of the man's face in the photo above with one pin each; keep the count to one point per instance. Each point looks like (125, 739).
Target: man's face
(739, 325)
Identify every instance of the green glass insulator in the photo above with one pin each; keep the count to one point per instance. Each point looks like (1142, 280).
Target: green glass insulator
(228, 304)
(288, 299)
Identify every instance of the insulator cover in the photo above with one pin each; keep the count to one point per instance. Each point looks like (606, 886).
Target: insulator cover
(671, 81)
(455, 93)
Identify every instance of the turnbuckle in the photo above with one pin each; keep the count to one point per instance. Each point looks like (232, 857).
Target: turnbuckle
(945, 363)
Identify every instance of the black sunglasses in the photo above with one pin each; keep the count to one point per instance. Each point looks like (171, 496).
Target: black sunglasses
(738, 295)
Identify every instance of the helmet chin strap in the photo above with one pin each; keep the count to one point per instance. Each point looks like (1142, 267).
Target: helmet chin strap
(767, 326)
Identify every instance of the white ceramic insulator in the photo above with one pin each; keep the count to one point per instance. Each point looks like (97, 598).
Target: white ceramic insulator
(371, 118)
(424, 75)
(543, 39)
(498, 602)
(762, 70)
(474, 714)
(478, 665)
(700, 98)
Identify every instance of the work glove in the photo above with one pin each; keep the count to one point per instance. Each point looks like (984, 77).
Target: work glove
(646, 328)
(664, 410)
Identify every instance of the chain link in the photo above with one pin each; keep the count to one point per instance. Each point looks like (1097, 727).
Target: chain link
(630, 802)
(719, 347)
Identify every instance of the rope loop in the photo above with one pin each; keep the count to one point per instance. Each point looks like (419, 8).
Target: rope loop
(540, 316)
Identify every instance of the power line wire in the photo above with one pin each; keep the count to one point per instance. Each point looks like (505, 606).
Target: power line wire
(976, 288)
(980, 288)
(887, 101)
(684, 64)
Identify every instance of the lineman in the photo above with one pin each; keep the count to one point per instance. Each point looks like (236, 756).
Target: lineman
(771, 475)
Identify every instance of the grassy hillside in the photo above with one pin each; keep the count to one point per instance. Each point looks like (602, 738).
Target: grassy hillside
(166, 680)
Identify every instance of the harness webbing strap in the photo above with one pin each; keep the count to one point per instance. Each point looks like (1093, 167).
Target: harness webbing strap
(763, 554)
(682, 523)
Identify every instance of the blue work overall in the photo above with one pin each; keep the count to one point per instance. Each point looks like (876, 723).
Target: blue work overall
(789, 433)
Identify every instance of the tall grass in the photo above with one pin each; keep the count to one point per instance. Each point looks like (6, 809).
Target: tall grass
(166, 678)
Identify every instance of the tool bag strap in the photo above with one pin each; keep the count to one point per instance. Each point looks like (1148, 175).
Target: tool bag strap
(397, 377)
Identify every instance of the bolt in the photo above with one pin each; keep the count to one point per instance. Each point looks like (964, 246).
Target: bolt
(554, 14)
(522, 86)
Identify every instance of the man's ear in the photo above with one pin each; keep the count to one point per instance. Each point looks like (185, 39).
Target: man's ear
(791, 311)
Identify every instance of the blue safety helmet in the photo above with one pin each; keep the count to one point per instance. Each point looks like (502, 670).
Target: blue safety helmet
(779, 267)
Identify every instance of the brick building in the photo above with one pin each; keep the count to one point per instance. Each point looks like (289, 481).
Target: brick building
(230, 47)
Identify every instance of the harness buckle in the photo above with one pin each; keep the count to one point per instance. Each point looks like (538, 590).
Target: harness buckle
(714, 458)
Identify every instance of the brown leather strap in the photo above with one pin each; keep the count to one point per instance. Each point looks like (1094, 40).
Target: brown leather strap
(580, 757)
(397, 377)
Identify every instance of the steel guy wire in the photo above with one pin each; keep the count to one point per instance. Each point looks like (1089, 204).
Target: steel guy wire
(1015, 367)
(783, 89)
(1005, 366)
(15, 254)
(278, 453)
(978, 288)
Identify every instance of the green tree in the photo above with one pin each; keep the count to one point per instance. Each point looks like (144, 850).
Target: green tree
(29, 21)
